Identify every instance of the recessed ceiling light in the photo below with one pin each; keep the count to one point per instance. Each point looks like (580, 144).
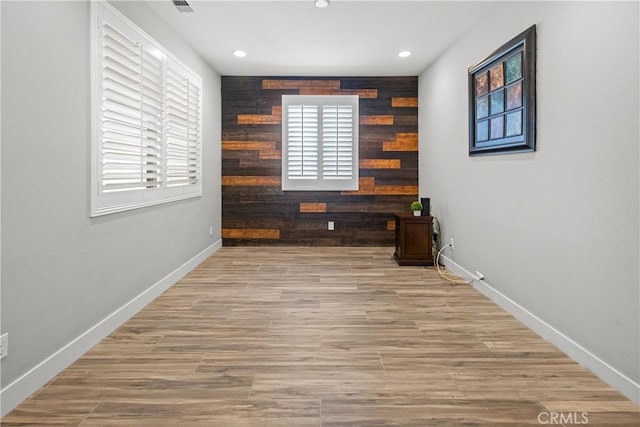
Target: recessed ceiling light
(322, 3)
(404, 54)
(239, 53)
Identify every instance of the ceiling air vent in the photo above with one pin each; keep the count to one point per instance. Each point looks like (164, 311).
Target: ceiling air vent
(182, 5)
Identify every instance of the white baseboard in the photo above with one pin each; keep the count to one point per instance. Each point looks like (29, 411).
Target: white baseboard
(584, 357)
(39, 375)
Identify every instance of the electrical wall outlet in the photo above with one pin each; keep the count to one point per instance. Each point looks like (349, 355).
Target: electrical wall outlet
(452, 243)
(331, 226)
(4, 345)
(211, 230)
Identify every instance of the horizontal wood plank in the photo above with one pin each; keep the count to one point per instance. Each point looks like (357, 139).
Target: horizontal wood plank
(362, 93)
(266, 149)
(248, 145)
(313, 207)
(300, 84)
(262, 119)
(271, 155)
(376, 120)
(251, 181)
(404, 102)
(397, 190)
(403, 142)
(380, 164)
(250, 233)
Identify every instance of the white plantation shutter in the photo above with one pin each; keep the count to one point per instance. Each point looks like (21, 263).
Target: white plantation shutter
(337, 142)
(147, 119)
(152, 103)
(195, 125)
(320, 143)
(124, 149)
(183, 127)
(302, 147)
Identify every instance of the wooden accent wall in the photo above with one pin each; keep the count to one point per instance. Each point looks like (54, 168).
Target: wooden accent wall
(255, 211)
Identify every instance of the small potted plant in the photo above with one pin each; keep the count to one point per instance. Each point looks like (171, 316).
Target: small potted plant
(416, 207)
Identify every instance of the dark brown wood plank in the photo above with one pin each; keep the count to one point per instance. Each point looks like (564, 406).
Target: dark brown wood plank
(262, 119)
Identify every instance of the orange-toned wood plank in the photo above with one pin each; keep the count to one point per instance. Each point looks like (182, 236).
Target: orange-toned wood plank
(366, 185)
(404, 102)
(248, 145)
(407, 137)
(262, 119)
(299, 84)
(271, 155)
(313, 207)
(251, 181)
(250, 233)
(391, 225)
(380, 164)
(376, 120)
(403, 142)
(362, 93)
(257, 119)
(396, 190)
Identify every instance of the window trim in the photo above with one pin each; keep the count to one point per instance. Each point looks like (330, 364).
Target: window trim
(102, 203)
(320, 183)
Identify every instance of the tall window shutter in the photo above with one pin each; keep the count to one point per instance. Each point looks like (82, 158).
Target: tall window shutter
(177, 127)
(337, 142)
(195, 145)
(183, 127)
(123, 150)
(302, 148)
(152, 120)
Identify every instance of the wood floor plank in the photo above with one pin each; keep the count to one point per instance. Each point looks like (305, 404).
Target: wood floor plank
(320, 337)
(46, 411)
(223, 412)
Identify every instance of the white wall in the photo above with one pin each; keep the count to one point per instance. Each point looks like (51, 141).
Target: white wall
(63, 272)
(556, 231)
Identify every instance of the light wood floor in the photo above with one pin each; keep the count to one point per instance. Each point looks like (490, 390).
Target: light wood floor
(320, 337)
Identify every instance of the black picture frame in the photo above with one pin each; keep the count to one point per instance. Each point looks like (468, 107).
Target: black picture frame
(502, 98)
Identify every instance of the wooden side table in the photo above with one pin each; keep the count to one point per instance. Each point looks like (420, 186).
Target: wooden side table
(414, 235)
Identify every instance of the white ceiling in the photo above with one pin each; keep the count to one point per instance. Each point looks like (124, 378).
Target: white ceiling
(348, 38)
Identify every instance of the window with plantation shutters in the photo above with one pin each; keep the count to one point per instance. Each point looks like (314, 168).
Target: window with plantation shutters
(320, 143)
(146, 119)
